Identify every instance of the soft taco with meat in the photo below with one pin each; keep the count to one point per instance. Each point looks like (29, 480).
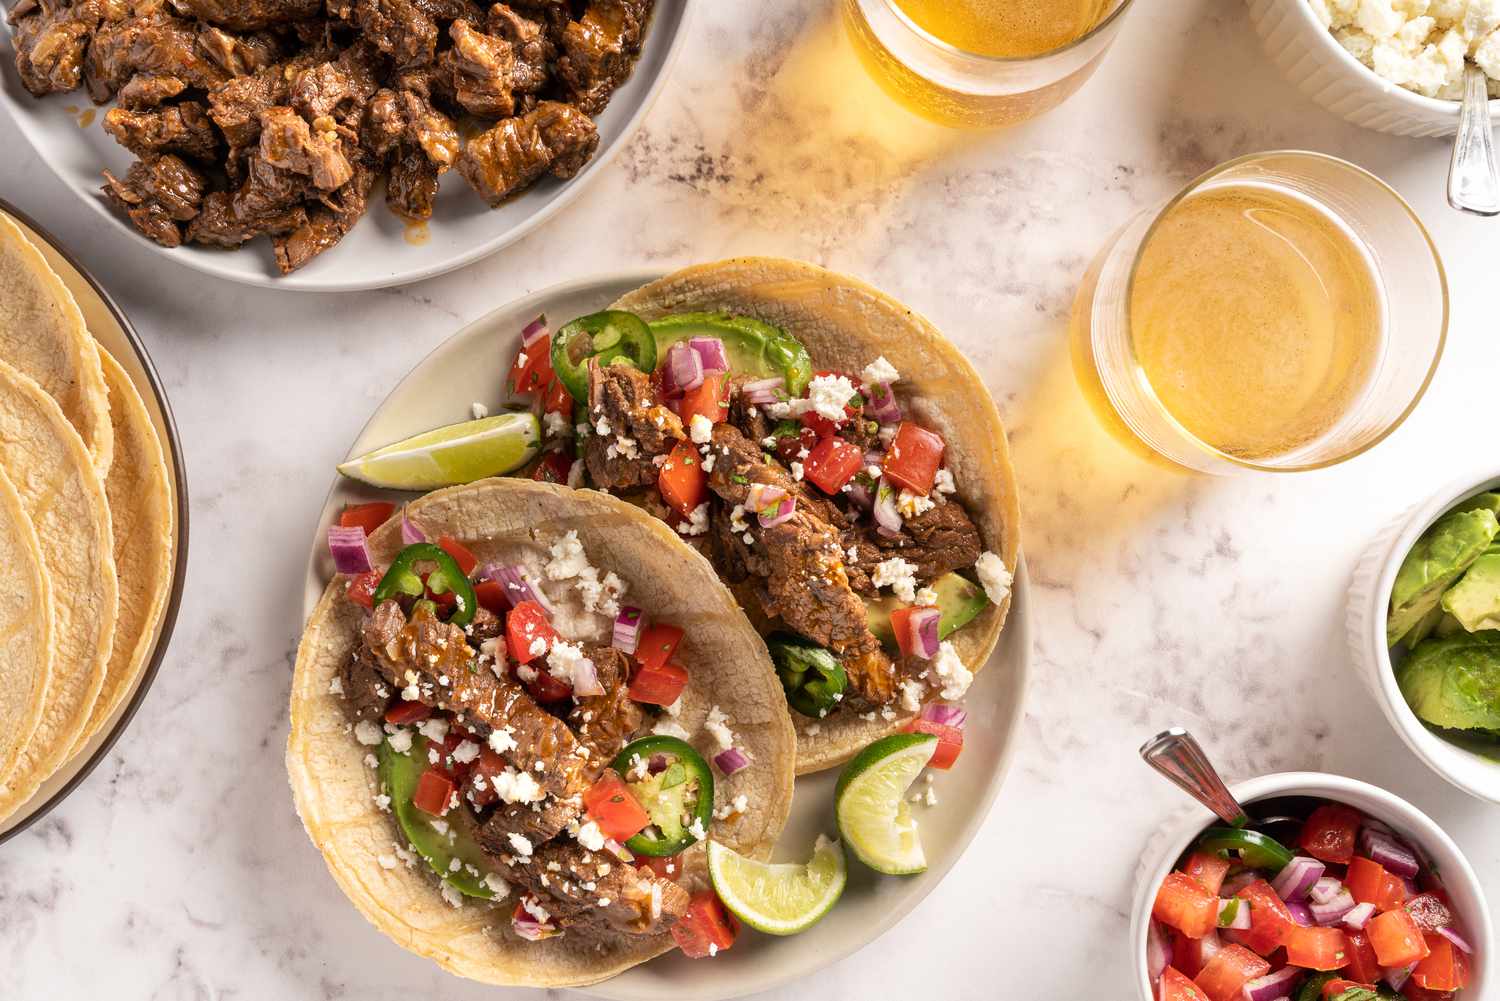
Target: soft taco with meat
(517, 714)
(828, 451)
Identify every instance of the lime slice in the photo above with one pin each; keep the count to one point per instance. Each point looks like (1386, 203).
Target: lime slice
(870, 801)
(458, 453)
(780, 899)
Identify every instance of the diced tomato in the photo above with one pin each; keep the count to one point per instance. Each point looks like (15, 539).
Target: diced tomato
(466, 560)
(486, 767)
(1184, 904)
(1396, 939)
(532, 370)
(434, 793)
(664, 868)
(1369, 883)
(657, 643)
(362, 588)
(708, 399)
(1363, 966)
(403, 713)
(950, 741)
(831, 464)
(367, 516)
(901, 626)
(618, 813)
(525, 624)
(1416, 992)
(1191, 955)
(1317, 948)
(1329, 832)
(914, 457)
(491, 596)
(682, 481)
(557, 400)
(822, 426)
(1429, 911)
(1446, 968)
(707, 929)
(1174, 986)
(1229, 971)
(658, 684)
(1270, 920)
(790, 447)
(554, 468)
(545, 688)
(1334, 988)
(1208, 869)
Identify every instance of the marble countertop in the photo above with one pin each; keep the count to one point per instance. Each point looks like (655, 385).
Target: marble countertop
(179, 871)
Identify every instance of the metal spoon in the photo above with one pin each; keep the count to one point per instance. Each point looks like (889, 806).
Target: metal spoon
(1473, 181)
(1179, 757)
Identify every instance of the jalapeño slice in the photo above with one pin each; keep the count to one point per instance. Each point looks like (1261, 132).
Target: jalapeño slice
(674, 797)
(446, 577)
(606, 336)
(1255, 849)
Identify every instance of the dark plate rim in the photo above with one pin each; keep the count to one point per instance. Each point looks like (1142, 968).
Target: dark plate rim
(179, 568)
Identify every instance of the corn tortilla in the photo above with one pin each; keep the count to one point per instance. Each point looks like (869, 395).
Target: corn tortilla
(25, 629)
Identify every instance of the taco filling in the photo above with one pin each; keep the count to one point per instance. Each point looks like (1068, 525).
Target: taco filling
(817, 494)
(512, 756)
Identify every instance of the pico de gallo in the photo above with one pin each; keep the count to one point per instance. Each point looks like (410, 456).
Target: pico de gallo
(1344, 910)
(512, 757)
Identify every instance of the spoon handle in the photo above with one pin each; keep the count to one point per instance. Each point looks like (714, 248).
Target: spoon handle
(1473, 182)
(1177, 755)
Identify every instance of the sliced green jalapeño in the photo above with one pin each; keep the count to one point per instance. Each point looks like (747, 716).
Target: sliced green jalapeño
(606, 336)
(402, 579)
(1255, 849)
(679, 798)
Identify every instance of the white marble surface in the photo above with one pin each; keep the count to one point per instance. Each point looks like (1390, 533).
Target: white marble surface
(179, 871)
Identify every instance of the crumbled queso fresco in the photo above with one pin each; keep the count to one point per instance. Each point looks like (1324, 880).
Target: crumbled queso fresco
(1419, 44)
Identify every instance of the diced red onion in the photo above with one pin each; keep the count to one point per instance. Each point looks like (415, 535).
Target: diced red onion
(656, 764)
(349, 550)
(1293, 882)
(1389, 851)
(683, 371)
(945, 715)
(1325, 889)
(923, 623)
(529, 928)
(627, 629)
(1358, 916)
(1328, 914)
(731, 761)
(763, 391)
(881, 405)
(1273, 985)
(784, 511)
(763, 495)
(586, 678)
(518, 586)
(1397, 977)
(711, 353)
(410, 533)
(859, 495)
(886, 515)
(1234, 884)
(1241, 919)
(772, 505)
(618, 850)
(1458, 940)
(1158, 951)
(533, 332)
(1300, 913)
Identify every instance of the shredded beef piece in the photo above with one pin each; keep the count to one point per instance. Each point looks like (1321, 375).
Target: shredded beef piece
(938, 540)
(538, 823)
(286, 141)
(182, 128)
(398, 29)
(51, 38)
(605, 723)
(155, 45)
(248, 15)
(157, 194)
(572, 883)
(238, 55)
(392, 118)
(481, 66)
(412, 185)
(146, 91)
(219, 225)
(236, 105)
(599, 50)
(621, 401)
(327, 223)
(340, 88)
(513, 154)
(756, 426)
(529, 44)
(366, 695)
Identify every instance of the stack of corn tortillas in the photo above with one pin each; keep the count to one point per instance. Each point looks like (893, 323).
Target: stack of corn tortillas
(86, 526)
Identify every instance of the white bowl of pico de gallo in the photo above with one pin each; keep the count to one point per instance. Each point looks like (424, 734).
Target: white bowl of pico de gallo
(1355, 896)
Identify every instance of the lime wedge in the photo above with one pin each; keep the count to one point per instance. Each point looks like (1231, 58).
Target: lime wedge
(870, 802)
(780, 899)
(458, 453)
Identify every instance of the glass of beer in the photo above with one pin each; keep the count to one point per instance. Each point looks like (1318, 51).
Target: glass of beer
(1286, 311)
(982, 63)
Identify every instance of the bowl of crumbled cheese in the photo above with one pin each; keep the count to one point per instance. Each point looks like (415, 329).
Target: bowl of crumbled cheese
(1392, 65)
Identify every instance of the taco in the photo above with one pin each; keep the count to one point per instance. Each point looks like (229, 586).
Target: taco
(832, 455)
(469, 705)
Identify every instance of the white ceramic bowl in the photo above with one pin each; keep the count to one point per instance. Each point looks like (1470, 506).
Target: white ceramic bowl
(1369, 601)
(1324, 70)
(1414, 826)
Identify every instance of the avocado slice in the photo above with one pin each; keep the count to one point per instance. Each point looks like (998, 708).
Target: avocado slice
(754, 348)
(1447, 626)
(1480, 502)
(958, 598)
(1454, 683)
(1423, 629)
(1437, 559)
(399, 774)
(1475, 600)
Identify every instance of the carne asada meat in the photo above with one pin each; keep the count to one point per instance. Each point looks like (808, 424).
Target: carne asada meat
(605, 723)
(365, 692)
(399, 29)
(631, 429)
(411, 186)
(482, 66)
(599, 50)
(592, 890)
(248, 15)
(51, 38)
(238, 55)
(514, 154)
(157, 194)
(162, 48)
(326, 223)
(219, 224)
(288, 142)
(183, 128)
(529, 44)
(940, 539)
(339, 88)
(394, 117)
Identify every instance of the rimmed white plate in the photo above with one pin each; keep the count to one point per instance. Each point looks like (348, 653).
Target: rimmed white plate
(112, 330)
(382, 250)
(469, 367)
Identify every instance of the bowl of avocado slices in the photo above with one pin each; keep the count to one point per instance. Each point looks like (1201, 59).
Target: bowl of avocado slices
(1424, 629)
